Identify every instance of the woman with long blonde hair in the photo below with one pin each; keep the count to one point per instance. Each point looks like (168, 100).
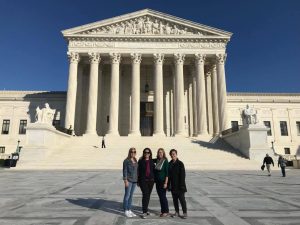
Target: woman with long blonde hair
(130, 167)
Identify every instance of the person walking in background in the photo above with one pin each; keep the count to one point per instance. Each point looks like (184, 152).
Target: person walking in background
(176, 183)
(282, 163)
(161, 180)
(146, 179)
(103, 142)
(268, 161)
(130, 168)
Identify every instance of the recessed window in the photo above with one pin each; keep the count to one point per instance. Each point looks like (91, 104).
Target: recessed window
(235, 125)
(283, 128)
(268, 125)
(287, 151)
(5, 126)
(22, 127)
(2, 149)
(298, 127)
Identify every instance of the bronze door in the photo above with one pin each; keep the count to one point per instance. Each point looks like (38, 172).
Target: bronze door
(146, 118)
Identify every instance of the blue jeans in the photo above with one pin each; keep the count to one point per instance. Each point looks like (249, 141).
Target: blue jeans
(128, 195)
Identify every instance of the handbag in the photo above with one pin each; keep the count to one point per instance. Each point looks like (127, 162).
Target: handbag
(262, 167)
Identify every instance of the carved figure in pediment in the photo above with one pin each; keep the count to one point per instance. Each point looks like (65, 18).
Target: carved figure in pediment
(128, 28)
(175, 30)
(161, 28)
(140, 26)
(148, 26)
(168, 29)
(156, 27)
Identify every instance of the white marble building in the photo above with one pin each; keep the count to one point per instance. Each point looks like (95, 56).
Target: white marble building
(149, 74)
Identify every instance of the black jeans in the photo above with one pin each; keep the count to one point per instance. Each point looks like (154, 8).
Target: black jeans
(179, 196)
(283, 171)
(162, 196)
(146, 188)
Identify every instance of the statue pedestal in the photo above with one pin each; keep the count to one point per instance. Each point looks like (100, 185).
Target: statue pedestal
(251, 141)
(40, 139)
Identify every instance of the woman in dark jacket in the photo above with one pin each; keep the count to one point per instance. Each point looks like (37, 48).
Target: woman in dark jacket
(177, 183)
(146, 179)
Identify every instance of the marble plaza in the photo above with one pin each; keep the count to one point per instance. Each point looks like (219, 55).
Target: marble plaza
(94, 198)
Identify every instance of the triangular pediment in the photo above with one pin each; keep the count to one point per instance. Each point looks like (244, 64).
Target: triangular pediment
(146, 23)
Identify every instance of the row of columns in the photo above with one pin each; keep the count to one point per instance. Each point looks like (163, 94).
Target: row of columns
(218, 85)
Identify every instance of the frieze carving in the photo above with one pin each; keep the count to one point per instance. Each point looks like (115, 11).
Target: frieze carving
(73, 57)
(92, 44)
(136, 57)
(202, 45)
(146, 25)
(158, 58)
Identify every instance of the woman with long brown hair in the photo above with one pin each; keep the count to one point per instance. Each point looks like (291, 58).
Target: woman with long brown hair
(161, 180)
(130, 167)
(146, 179)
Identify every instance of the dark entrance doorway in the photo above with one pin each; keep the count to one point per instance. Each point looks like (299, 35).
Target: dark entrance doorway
(146, 118)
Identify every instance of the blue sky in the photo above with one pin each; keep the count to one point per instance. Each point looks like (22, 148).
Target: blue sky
(263, 54)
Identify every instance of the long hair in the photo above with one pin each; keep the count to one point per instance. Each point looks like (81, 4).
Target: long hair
(129, 156)
(164, 153)
(145, 149)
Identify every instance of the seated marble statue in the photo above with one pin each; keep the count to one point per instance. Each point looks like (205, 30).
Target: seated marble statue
(249, 116)
(44, 115)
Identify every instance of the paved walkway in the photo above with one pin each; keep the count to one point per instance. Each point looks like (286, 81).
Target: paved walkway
(94, 197)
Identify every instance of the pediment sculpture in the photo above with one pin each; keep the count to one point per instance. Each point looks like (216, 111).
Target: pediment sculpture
(249, 116)
(44, 115)
(146, 25)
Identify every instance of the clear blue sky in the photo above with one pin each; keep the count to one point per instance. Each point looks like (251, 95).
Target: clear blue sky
(263, 54)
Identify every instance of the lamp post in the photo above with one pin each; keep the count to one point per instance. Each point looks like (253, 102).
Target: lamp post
(18, 146)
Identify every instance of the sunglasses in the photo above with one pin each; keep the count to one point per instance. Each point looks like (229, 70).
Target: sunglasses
(133, 152)
(146, 152)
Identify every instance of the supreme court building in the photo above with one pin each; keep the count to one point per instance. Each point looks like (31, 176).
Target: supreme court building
(147, 73)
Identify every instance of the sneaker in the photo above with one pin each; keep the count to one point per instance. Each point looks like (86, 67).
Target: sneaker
(144, 216)
(148, 214)
(132, 214)
(128, 214)
(164, 214)
(184, 216)
(176, 214)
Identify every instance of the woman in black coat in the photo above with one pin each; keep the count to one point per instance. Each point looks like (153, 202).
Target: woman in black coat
(146, 179)
(176, 183)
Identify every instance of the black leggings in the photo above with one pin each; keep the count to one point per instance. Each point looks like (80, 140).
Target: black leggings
(146, 188)
(179, 196)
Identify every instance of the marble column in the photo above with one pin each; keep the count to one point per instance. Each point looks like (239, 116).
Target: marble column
(195, 129)
(113, 128)
(135, 95)
(214, 89)
(179, 93)
(200, 96)
(158, 95)
(94, 59)
(222, 93)
(208, 101)
(72, 89)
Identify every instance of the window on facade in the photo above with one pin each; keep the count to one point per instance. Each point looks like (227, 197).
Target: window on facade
(283, 128)
(22, 127)
(298, 127)
(56, 123)
(5, 126)
(287, 151)
(2, 149)
(268, 125)
(235, 125)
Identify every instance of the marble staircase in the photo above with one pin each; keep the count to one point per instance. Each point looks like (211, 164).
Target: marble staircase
(85, 152)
